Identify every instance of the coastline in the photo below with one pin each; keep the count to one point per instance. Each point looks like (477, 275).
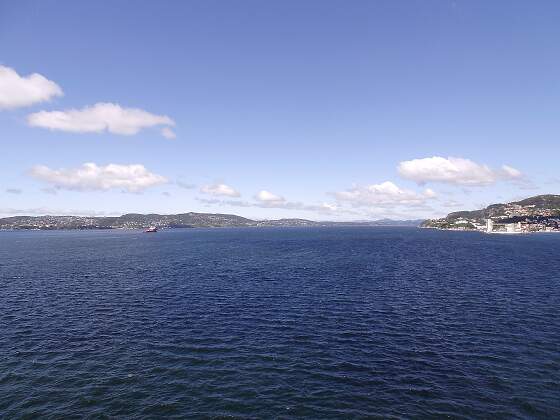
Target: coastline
(490, 233)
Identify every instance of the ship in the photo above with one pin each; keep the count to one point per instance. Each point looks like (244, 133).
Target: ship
(151, 229)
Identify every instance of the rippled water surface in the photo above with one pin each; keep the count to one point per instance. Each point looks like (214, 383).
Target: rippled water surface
(279, 323)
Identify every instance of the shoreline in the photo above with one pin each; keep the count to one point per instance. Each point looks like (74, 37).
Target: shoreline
(141, 229)
(489, 233)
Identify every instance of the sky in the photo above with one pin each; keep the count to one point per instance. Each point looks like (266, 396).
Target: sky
(325, 110)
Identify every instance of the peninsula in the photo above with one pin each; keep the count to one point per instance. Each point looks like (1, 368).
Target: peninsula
(534, 214)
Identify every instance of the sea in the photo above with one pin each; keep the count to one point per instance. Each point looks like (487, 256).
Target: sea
(279, 323)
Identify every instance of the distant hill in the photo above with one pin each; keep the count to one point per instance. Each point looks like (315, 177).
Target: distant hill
(183, 220)
(548, 201)
(127, 221)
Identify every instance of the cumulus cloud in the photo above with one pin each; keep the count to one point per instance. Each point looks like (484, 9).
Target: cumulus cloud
(91, 177)
(17, 91)
(267, 198)
(220, 190)
(456, 171)
(99, 118)
(385, 194)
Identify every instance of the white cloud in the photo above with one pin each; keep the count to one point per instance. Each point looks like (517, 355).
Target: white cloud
(367, 202)
(268, 198)
(385, 194)
(323, 208)
(17, 91)
(90, 177)
(232, 203)
(168, 133)
(220, 190)
(328, 207)
(46, 211)
(510, 172)
(99, 118)
(456, 171)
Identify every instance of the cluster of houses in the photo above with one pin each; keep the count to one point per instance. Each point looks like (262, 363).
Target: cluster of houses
(510, 224)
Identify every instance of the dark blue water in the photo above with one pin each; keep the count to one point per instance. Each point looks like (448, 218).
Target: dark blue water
(279, 323)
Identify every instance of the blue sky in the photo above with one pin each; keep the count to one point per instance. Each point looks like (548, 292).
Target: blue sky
(317, 109)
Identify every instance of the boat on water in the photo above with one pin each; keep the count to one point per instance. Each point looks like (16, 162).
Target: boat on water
(151, 229)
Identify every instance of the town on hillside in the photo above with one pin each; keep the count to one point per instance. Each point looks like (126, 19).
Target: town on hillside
(535, 214)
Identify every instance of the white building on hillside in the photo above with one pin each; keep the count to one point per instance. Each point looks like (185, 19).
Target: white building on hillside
(489, 225)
